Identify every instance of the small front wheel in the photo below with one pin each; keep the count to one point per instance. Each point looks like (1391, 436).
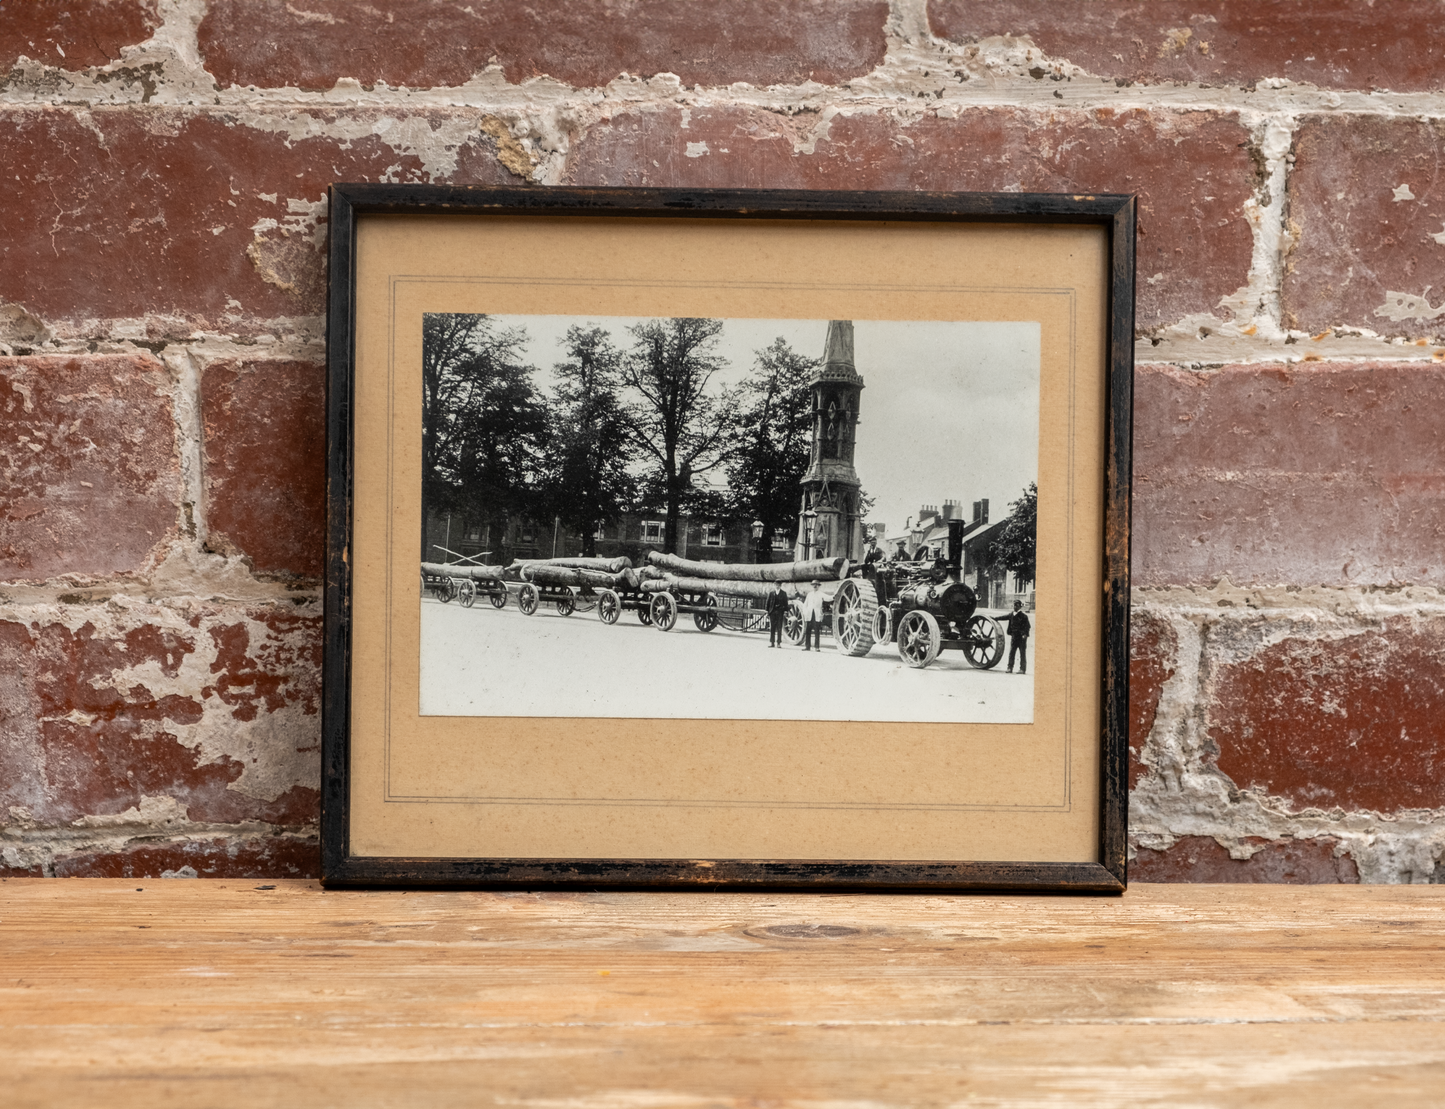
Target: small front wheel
(664, 611)
(706, 620)
(983, 642)
(566, 604)
(499, 598)
(467, 591)
(609, 606)
(793, 623)
(919, 638)
(527, 598)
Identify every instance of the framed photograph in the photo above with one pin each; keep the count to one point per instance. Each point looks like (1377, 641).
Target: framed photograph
(742, 539)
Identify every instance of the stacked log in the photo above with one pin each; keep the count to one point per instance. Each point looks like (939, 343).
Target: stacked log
(551, 574)
(821, 569)
(610, 565)
(755, 590)
(456, 570)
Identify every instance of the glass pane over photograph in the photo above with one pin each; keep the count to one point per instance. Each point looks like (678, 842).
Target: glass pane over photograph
(729, 518)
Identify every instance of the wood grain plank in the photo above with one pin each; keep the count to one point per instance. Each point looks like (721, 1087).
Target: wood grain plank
(191, 993)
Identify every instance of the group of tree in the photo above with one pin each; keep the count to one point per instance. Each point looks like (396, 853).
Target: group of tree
(642, 425)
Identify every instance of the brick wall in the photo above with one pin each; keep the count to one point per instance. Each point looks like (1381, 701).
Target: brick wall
(161, 290)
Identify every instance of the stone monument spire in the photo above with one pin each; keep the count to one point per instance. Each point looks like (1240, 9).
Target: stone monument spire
(831, 523)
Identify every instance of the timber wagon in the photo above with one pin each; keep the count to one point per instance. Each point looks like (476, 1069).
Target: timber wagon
(712, 592)
(450, 581)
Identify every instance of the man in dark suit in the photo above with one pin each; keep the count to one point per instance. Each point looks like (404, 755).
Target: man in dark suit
(777, 612)
(1018, 638)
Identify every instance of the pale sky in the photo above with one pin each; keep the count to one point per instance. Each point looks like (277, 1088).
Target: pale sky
(949, 409)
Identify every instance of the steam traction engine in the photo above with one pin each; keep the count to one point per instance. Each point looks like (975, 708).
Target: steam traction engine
(923, 607)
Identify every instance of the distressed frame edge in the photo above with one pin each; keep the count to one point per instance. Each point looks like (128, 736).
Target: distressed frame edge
(1115, 212)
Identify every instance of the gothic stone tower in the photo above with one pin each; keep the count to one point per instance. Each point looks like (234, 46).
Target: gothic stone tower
(831, 524)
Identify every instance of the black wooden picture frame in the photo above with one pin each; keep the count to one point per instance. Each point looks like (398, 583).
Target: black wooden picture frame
(350, 204)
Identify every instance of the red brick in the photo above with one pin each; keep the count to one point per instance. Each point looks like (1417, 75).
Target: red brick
(1357, 244)
(1152, 647)
(151, 215)
(1352, 722)
(1193, 172)
(265, 465)
(1201, 859)
(89, 477)
(97, 719)
(584, 43)
(1307, 474)
(73, 36)
(1391, 44)
(273, 857)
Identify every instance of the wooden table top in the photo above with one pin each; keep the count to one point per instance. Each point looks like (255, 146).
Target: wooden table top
(195, 993)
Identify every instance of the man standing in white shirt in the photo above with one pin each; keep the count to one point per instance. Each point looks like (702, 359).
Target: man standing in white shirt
(813, 615)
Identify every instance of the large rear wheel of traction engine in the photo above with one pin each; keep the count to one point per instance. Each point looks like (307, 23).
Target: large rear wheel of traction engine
(664, 611)
(527, 599)
(918, 638)
(706, 621)
(609, 606)
(567, 602)
(983, 642)
(793, 625)
(854, 607)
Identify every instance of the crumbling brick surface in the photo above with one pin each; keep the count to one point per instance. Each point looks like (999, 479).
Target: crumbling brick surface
(187, 219)
(1203, 859)
(1193, 172)
(1366, 218)
(1152, 646)
(1336, 44)
(218, 857)
(1351, 722)
(265, 463)
(425, 43)
(124, 712)
(72, 36)
(1309, 473)
(89, 474)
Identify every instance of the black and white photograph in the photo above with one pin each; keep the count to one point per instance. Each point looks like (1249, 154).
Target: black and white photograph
(729, 518)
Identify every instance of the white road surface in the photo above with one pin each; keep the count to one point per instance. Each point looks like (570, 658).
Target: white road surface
(487, 662)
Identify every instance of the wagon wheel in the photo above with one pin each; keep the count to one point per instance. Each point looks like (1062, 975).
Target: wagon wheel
(664, 611)
(793, 623)
(499, 598)
(467, 590)
(609, 606)
(882, 625)
(918, 638)
(708, 619)
(446, 590)
(983, 642)
(527, 598)
(644, 613)
(566, 603)
(854, 607)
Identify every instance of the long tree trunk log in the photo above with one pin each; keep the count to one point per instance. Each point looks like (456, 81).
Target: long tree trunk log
(476, 573)
(611, 565)
(755, 590)
(567, 575)
(824, 569)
